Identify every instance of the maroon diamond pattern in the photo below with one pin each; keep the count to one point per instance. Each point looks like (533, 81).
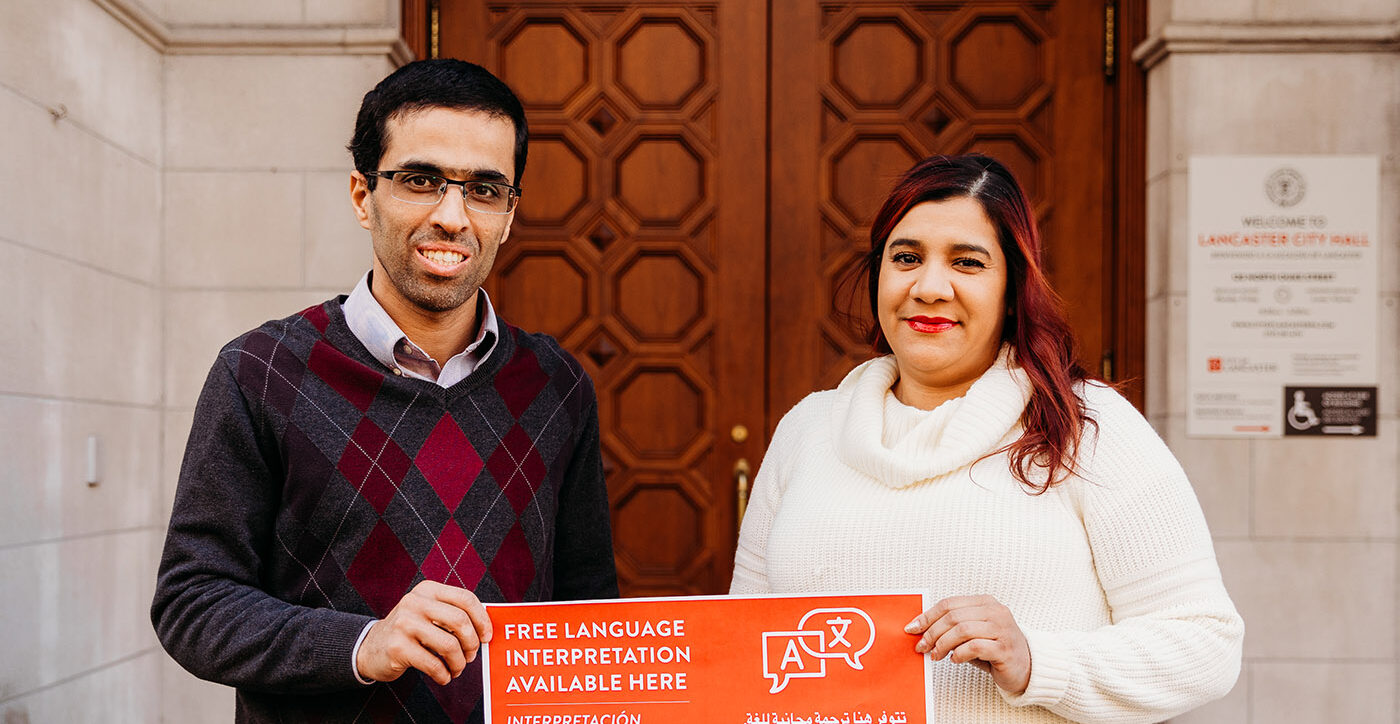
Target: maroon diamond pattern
(453, 560)
(314, 586)
(385, 703)
(354, 381)
(382, 570)
(272, 368)
(317, 317)
(517, 467)
(513, 567)
(373, 464)
(518, 384)
(448, 461)
(304, 463)
(459, 697)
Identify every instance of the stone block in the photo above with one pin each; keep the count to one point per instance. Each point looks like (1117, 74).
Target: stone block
(233, 229)
(1323, 691)
(1313, 600)
(67, 330)
(74, 57)
(1327, 487)
(337, 249)
(264, 111)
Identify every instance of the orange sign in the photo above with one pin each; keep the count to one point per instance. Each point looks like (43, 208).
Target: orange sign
(722, 660)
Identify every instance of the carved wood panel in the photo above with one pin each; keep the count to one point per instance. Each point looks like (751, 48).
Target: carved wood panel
(697, 187)
(628, 248)
(864, 89)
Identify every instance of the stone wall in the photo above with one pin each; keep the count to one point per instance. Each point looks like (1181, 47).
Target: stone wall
(80, 347)
(1305, 528)
(174, 174)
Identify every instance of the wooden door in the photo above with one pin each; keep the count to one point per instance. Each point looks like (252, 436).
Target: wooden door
(862, 90)
(639, 244)
(701, 174)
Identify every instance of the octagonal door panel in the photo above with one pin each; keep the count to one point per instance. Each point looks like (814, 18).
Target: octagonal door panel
(862, 89)
(635, 247)
(698, 185)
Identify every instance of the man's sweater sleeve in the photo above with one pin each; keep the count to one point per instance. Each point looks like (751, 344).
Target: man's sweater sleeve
(210, 610)
(583, 550)
(1176, 638)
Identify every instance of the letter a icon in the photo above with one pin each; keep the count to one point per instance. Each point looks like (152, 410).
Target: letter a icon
(791, 654)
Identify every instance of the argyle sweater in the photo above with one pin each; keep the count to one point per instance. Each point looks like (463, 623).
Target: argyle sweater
(318, 488)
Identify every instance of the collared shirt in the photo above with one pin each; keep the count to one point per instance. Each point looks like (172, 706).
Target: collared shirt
(384, 339)
(379, 334)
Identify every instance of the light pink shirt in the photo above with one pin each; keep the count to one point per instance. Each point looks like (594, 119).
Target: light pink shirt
(379, 334)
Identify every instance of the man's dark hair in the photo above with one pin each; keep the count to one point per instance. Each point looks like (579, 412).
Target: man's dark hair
(437, 83)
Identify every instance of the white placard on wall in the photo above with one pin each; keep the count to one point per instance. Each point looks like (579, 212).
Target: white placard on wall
(1282, 286)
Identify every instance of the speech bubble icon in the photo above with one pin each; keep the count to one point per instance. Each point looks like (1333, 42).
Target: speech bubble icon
(786, 656)
(847, 633)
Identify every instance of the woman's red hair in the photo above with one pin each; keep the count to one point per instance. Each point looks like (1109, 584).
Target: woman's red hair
(1042, 342)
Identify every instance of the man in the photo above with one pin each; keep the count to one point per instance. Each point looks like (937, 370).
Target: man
(363, 474)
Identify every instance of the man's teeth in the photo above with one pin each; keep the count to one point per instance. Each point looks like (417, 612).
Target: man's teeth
(443, 257)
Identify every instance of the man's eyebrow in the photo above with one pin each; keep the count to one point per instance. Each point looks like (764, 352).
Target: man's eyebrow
(424, 166)
(488, 174)
(485, 174)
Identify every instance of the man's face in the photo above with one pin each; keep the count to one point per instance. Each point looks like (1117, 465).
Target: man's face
(433, 258)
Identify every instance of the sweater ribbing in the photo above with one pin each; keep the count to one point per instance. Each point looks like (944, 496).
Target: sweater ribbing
(1111, 574)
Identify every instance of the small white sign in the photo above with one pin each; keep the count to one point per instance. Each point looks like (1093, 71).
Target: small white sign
(1282, 285)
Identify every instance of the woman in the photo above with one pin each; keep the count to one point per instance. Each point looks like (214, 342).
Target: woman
(975, 460)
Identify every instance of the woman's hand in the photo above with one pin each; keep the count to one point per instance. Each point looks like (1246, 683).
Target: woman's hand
(977, 630)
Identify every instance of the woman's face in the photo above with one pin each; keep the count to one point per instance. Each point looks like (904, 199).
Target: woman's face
(942, 298)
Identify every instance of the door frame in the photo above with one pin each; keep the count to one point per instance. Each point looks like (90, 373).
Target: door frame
(1127, 191)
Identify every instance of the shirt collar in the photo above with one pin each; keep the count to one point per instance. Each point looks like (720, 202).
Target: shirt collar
(379, 334)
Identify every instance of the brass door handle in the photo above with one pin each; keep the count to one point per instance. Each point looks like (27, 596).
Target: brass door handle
(741, 482)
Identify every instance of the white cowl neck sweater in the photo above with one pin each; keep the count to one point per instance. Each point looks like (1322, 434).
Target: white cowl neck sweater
(1110, 574)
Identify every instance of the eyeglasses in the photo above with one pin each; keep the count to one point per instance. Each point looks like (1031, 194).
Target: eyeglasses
(416, 187)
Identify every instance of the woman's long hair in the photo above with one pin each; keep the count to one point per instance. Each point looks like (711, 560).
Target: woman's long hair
(1041, 340)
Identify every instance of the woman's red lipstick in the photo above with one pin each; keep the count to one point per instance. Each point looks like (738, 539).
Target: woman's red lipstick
(930, 325)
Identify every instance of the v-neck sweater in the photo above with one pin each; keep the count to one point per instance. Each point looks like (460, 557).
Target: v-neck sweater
(318, 488)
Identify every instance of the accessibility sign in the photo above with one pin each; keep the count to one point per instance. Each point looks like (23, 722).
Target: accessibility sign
(1346, 411)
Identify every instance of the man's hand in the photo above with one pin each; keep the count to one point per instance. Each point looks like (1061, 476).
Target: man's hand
(434, 628)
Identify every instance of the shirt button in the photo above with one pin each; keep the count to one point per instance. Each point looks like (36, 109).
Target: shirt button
(398, 371)
(407, 348)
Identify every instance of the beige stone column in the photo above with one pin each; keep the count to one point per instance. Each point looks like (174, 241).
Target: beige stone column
(80, 345)
(174, 174)
(1305, 529)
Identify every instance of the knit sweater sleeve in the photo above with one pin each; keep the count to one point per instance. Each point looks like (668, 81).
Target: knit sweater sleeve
(583, 551)
(751, 554)
(1175, 640)
(210, 612)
